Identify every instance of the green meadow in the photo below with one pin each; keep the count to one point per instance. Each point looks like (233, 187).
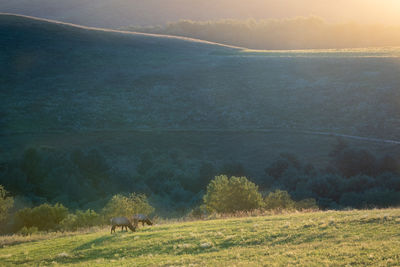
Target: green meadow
(331, 238)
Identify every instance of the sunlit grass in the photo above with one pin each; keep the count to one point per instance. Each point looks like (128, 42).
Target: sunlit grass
(309, 239)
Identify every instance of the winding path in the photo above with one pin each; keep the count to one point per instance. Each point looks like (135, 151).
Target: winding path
(182, 130)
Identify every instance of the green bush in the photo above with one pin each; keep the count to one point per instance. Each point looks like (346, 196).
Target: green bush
(231, 194)
(279, 200)
(6, 202)
(45, 217)
(25, 231)
(120, 205)
(307, 204)
(196, 213)
(81, 219)
(69, 223)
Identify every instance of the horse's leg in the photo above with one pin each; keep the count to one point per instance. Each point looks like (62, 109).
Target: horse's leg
(112, 229)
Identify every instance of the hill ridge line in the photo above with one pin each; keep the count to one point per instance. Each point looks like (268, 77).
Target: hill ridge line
(188, 39)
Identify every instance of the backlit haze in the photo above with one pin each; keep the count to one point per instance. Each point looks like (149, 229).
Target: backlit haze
(119, 13)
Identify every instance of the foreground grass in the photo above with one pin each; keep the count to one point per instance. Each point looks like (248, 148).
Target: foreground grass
(370, 237)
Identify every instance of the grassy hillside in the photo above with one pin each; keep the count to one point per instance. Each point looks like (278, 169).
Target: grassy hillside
(357, 238)
(196, 106)
(61, 77)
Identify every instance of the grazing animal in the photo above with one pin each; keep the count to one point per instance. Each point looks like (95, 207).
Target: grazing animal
(122, 222)
(141, 218)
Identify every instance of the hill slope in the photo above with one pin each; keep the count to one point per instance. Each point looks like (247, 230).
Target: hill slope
(358, 238)
(196, 105)
(64, 76)
(71, 78)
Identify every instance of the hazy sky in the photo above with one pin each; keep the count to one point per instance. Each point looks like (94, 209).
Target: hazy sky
(362, 11)
(114, 13)
(383, 11)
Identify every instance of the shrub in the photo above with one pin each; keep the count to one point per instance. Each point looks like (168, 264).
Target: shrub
(231, 194)
(196, 213)
(88, 218)
(6, 202)
(279, 200)
(25, 231)
(350, 162)
(45, 217)
(69, 223)
(120, 205)
(81, 219)
(306, 204)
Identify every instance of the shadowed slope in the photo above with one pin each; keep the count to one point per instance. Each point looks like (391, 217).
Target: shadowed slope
(59, 78)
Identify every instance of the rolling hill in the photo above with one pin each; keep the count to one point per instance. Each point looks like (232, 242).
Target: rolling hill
(65, 77)
(356, 238)
(66, 87)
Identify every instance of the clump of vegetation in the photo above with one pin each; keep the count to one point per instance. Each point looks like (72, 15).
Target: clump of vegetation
(25, 231)
(81, 219)
(354, 178)
(6, 205)
(281, 200)
(120, 205)
(6, 202)
(45, 217)
(48, 217)
(227, 195)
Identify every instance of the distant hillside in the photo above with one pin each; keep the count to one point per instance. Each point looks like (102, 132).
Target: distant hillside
(67, 77)
(62, 77)
(108, 111)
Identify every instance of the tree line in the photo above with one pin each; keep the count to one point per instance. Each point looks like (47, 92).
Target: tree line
(295, 33)
(84, 183)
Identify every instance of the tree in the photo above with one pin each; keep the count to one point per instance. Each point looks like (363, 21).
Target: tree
(350, 162)
(233, 169)
(6, 202)
(231, 194)
(127, 206)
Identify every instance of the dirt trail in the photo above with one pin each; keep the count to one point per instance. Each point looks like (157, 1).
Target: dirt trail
(183, 130)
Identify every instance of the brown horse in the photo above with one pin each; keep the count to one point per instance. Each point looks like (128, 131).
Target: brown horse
(122, 222)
